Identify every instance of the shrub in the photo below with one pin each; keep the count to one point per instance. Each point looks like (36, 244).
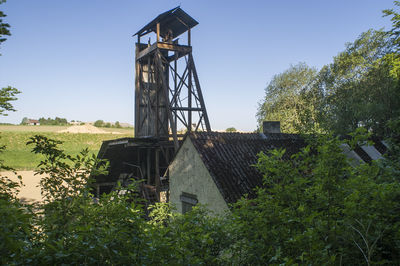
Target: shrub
(99, 123)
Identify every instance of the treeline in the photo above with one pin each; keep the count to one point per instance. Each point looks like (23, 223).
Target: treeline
(101, 123)
(49, 121)
(360, 88)
(53, 122)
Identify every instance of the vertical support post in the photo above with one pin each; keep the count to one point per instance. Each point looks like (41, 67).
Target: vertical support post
(164, 85)
(158, 32)
(137, 89)
(157, 174)
(175, 80)
(138, 172)
(148, 167)
(148, 124)
(189, 38)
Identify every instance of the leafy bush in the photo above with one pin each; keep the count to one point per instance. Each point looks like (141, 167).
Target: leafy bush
(313, 209)
(318, 209)
(98, 123)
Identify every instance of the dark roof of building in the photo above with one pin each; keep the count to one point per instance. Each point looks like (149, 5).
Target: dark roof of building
(175, 19)
(230, 158)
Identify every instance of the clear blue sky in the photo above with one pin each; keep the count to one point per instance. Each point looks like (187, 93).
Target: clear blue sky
(75, 59)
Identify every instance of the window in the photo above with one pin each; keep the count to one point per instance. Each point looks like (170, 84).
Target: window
(188, 201)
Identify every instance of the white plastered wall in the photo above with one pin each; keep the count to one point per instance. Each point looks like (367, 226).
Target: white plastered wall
(189, 174)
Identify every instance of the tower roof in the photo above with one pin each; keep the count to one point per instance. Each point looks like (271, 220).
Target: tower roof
(176, 20)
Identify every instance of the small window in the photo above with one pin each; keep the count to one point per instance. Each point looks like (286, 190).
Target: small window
(188, 201)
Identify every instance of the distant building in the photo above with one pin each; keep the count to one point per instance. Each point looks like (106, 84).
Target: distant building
(216, 168)
(33, 122)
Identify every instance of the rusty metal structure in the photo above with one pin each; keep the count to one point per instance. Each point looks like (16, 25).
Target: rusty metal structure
(168, 103)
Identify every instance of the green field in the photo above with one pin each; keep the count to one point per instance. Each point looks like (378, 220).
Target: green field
(19, 155)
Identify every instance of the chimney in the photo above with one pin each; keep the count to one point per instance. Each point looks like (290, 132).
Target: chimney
(271, 127)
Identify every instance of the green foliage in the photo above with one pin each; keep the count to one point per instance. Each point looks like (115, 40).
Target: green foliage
(230, 129)
(4, 27)
(312, 209)
(53, 122)
(6, 95)
(291, 98)
(318, 209)
(395, 18)
(99, 123)
(70, 227)
(15, 219)
(24, 121)
(197, 237)
(360, 88)
(15, 230)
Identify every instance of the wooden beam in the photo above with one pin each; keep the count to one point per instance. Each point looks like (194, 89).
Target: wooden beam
(157, 175)
(189, 94)
(146, 51)
(137, 91)
(199, 93)
(181, 49)
(189, 38)
(194, 109)
(174, 47)
(148, 166)
(166, 91)
(158, 32)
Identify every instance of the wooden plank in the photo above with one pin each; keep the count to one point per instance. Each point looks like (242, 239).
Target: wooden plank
(174, 47)
(181, 49)
(146, 51)
(158, 31)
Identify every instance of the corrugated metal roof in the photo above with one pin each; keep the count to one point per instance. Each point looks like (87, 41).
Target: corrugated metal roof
(230, 157)
(175, 19)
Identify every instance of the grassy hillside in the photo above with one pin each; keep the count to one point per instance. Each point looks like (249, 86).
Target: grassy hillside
(19, 155)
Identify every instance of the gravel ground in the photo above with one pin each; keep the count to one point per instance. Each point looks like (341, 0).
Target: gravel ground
(30, 191)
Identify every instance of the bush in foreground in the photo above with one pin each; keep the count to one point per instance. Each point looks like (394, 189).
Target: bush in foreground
(313, 209)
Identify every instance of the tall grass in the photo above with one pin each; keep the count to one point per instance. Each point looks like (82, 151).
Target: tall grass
(19, 155)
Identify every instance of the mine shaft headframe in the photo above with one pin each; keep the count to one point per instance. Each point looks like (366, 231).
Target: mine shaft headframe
(168, 96)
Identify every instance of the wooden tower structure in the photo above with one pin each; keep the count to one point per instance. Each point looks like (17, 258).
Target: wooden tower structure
(168, 97)
(168, 103)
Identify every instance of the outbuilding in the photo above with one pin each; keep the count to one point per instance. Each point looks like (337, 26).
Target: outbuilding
(217, 168)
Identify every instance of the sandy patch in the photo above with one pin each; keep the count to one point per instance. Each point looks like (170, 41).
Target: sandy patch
(30, 192)
(86, 129)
